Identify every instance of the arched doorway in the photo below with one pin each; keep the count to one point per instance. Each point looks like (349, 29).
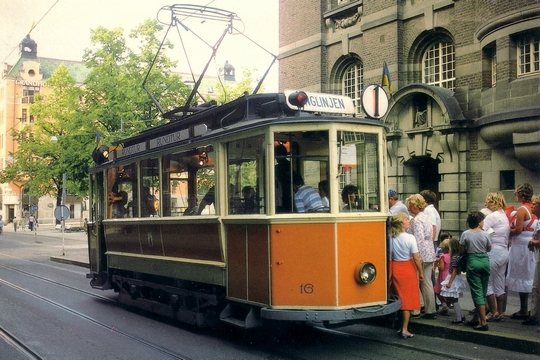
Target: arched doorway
(427, 173)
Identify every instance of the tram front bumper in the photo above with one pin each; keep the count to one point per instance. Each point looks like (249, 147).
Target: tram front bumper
(345, 315)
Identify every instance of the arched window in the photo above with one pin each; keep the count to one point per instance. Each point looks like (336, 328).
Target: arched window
(438, 65)
(352, 84)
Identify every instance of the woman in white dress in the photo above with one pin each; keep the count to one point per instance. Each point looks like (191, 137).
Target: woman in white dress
(498, 256)
(521, 263)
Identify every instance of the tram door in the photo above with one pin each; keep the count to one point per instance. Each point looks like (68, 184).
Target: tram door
(96, 237)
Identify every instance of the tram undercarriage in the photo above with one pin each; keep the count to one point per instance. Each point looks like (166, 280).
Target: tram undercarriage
(191, 303)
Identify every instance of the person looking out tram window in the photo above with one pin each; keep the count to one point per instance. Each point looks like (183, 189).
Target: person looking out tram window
(349, 195)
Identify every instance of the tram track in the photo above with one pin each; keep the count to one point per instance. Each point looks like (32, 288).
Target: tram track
(18, 344)
(160, 350)
(339, 341)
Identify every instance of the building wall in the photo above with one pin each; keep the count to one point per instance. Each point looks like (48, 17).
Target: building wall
(477, 138)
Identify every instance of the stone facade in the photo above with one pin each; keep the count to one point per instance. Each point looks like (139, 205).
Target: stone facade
(470, 128)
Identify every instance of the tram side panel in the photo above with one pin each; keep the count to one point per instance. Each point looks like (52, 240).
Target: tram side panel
(177, 250)
(303, 265)
(360, 242)
(248, 273)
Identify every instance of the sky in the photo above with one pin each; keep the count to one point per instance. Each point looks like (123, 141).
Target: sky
(62, 31)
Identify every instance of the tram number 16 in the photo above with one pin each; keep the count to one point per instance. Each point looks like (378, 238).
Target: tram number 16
(306, 288)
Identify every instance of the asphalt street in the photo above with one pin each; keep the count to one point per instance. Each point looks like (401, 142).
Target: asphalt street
(72, 247)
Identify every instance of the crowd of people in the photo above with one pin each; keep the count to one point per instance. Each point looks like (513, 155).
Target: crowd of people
(498, 251)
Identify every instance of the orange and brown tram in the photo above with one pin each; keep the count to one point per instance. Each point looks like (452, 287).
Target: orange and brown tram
(197, 219)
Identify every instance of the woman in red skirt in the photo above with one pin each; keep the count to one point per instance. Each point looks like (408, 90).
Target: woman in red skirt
(406, 269)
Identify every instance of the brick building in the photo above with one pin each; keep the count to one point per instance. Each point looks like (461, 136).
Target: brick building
(464, 111)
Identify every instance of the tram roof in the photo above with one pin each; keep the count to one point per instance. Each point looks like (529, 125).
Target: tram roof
(243, 110)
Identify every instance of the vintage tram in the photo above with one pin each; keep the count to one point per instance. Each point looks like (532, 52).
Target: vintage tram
(197, 219)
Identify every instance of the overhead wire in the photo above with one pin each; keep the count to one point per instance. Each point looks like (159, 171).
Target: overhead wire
(34, 25)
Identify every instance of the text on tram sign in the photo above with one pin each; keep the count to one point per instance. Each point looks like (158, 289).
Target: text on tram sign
(130, 150)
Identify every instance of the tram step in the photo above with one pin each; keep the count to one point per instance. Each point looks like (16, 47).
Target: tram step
(243, 319)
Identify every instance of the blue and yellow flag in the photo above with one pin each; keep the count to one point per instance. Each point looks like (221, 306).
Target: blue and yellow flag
(386, 81)
(98, 140)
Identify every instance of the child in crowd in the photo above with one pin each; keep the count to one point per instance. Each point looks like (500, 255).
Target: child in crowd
(442, 263)
(453, 287)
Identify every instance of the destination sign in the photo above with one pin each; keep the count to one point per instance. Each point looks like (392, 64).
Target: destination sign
(131, 150)
(327, 103)
(169, 138)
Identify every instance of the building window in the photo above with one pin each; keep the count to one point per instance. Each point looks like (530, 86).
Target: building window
(507, 180)
(31, 119)
(28, 94)
(439, 65)
(493, 69)
(352, 84)
(24, 116)
(528, 54)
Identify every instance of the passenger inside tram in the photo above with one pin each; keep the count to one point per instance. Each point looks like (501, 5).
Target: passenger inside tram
(324, 192)
(306, 198)
(148, 202)
(283, 180)
(249, 205)
(349, 195)
(119, 207)
(193, 208)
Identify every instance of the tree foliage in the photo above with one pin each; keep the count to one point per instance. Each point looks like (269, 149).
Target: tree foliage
(227, 93)
(114, 96)
(40, 162)
(111, 102)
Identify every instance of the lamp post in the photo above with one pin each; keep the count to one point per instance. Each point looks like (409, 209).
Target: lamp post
(62, 219)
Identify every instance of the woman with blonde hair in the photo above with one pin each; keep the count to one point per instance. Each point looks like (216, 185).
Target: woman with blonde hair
(406, 269)
(498, 256)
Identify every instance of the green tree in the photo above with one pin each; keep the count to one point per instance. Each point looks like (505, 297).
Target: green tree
(39, 161)
(114, 96)
(227, 93)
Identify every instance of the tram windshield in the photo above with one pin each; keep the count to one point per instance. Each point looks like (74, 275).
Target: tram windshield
(301, 164)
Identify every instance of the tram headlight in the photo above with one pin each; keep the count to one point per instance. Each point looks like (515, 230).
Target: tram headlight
(101, 154)
(365, 273)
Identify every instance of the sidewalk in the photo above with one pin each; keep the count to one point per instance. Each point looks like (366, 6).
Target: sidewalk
(75, 242)
(509, 334)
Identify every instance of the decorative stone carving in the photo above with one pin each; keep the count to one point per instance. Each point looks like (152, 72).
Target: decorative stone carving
(420, 118)
(348, 21)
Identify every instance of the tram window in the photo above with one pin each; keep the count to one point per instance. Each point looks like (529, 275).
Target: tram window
(175, 189)
(203, 180)
(187, 178)
(359, 171)
(121, 194)
(150, 192)
(246, 164)
(301, 164)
